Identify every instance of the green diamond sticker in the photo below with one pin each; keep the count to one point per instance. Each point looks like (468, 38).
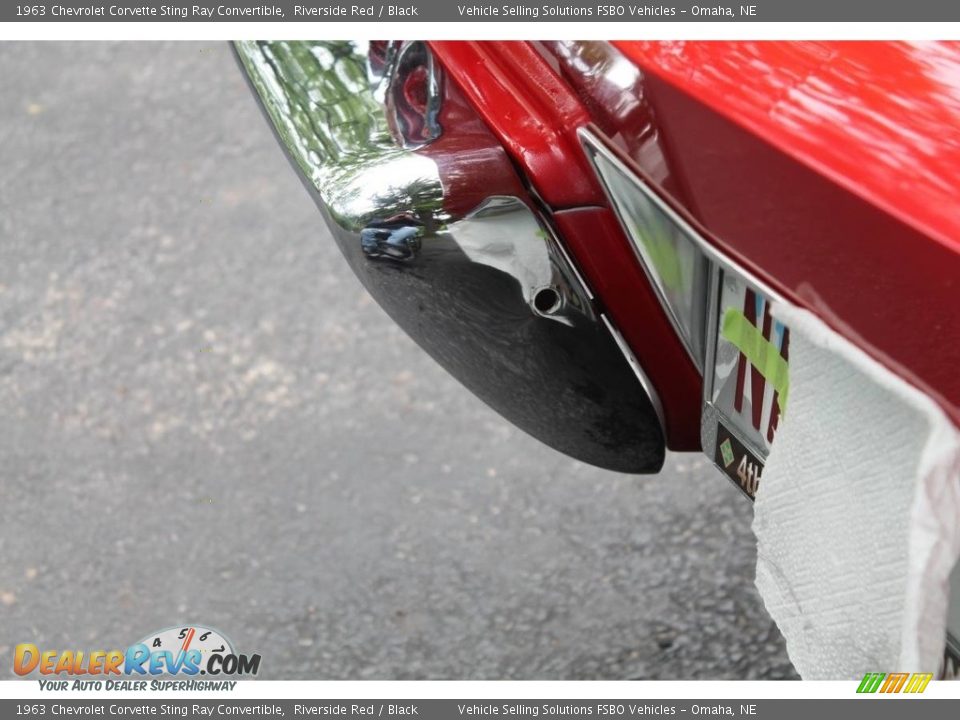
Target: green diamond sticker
(727, 451)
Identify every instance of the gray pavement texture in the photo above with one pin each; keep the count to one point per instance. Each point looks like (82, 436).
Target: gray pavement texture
(205, 419)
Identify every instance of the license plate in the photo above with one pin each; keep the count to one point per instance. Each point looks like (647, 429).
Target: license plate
(746, 379)
(737, 461)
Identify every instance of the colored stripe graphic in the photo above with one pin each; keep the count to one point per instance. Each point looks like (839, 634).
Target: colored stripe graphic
(762, 354)
(870, 682)
(894, 682)
(918, 682)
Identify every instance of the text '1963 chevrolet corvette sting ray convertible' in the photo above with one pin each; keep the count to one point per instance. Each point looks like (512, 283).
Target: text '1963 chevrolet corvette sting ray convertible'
(748, 249)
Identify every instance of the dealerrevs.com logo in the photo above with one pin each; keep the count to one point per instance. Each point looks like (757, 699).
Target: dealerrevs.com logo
(185, 652)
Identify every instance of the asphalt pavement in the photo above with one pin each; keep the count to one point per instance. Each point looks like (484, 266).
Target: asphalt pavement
(205, 419)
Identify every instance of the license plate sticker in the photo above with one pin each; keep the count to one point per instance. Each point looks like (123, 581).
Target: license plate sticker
(750, 383)
(737, 461)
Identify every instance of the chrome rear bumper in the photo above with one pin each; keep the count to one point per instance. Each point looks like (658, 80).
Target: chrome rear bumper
(431, 216)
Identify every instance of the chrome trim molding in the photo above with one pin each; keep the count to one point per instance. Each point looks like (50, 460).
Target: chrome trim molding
(717, 264)
(594, 149)
(637, 368)
(445, 238)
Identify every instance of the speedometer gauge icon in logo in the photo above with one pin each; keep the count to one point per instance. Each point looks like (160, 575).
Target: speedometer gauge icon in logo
(182, 639)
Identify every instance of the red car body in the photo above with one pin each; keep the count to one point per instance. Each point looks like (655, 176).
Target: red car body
(830, 170)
